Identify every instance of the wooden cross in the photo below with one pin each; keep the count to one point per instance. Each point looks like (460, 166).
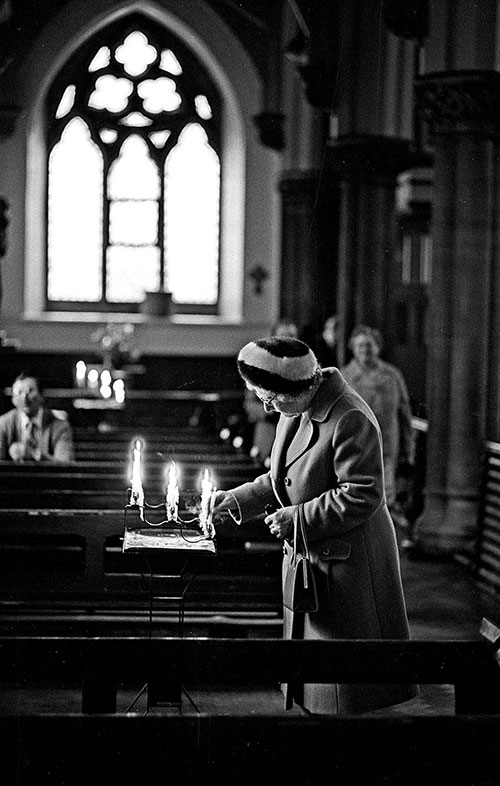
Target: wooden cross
(258, 275)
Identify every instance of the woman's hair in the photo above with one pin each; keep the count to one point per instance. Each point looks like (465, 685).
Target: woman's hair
(364, 330)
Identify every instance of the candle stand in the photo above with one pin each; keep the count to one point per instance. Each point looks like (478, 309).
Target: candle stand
(171, 544)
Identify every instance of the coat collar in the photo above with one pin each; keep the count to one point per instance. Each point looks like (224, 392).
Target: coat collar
(297, 433)
(328, 393)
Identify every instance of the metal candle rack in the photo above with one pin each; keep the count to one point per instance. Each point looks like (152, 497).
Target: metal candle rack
(200, 510)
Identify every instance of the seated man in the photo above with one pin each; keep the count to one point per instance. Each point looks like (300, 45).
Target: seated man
(31, 431)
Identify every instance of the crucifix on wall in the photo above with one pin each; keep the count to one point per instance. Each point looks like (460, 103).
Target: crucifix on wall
(258, 275)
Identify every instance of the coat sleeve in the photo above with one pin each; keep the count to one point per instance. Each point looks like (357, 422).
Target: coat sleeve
(358, 491)
(249, 500)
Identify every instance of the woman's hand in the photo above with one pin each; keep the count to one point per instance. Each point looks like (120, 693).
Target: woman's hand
(219, 498)
(223, 503)
(280, 522)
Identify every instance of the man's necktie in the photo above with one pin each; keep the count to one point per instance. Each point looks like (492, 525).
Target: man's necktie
(32, 438)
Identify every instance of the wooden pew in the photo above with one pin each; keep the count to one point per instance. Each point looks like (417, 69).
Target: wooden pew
(70, 476)
(171, 408)
(63, 569)
(247, 748)
(151, 437)
(103, 484)
(88, 491)
(224, 751)
(62, 525)
(472, 667)
(93, 452)
(59, 750)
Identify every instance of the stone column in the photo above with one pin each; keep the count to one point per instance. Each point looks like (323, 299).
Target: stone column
(368, 167)
(462, 112)
(309, 265)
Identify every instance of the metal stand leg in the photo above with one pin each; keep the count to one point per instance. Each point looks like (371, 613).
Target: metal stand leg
(164, 692)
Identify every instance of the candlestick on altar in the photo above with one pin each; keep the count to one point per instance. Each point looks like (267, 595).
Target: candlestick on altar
(208, 491)
(137, 491)
(172, 498)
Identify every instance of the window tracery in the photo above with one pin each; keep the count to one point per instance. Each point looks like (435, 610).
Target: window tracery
(134, 174)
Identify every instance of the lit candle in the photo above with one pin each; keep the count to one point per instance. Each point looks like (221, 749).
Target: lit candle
(81, 373)
(172, 500)
(207, 500)
(93, 378)
(119, 390)
(105, 388)
(137, 495)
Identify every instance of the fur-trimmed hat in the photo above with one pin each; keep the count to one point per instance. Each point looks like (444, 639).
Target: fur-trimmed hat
(278, 365)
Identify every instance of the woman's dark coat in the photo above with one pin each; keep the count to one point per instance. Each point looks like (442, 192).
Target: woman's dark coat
(333, 465)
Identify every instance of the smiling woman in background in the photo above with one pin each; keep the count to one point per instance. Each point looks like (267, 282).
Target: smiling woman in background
(383, 387)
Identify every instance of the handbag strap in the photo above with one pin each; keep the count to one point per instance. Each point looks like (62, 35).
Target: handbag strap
(299, 522)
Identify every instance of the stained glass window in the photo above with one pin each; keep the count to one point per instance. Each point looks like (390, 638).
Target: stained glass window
(134, 174)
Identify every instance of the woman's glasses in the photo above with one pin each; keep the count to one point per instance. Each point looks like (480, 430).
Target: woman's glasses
(266, 401)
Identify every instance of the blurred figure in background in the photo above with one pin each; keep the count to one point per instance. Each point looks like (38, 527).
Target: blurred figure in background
(384, 389)
(263, 424)
(327, 349)
(31, 431)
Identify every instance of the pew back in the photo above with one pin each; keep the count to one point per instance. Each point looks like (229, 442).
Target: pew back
(248, 748)
(63, 559)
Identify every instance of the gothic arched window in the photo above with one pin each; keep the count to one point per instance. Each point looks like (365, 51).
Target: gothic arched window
(134, 180)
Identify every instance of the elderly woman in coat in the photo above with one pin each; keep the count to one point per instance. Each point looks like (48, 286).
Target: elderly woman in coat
(326, 458)
(384, 389)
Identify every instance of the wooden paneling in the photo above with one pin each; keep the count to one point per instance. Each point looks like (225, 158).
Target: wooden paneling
(487, 567)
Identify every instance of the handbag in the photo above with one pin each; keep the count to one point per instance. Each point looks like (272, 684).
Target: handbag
(299, 586)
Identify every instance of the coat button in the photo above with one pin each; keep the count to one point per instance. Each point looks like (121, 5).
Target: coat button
(288, 482)
(325, 552)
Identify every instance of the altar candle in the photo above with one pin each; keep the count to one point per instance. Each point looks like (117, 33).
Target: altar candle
(172, 495)
(207, 493)
(136, 480)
